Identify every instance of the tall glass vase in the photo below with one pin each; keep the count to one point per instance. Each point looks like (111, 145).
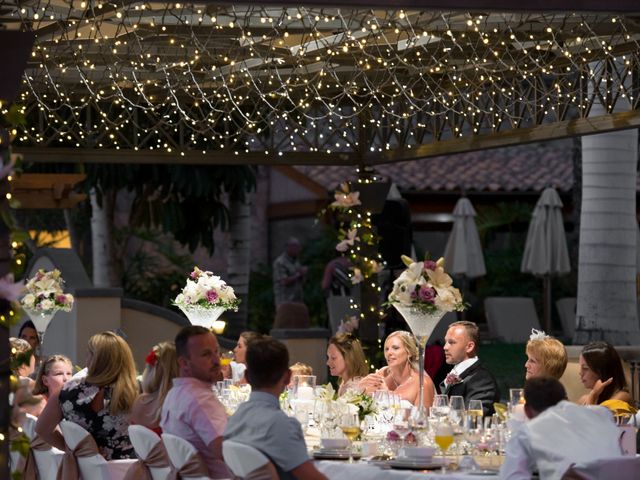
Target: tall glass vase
(41, 320)
(422, 326)
(205, 317)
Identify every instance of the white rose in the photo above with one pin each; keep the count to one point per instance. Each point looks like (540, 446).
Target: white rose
(47, 304)
(28, 300)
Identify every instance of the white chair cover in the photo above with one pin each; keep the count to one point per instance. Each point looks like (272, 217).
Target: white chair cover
(242, 459)
(620, 468)
(94, 467)
(47, 461)
(180, 452)
(143, 441)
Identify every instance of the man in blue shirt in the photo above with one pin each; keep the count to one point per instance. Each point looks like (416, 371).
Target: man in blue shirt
(260, 423)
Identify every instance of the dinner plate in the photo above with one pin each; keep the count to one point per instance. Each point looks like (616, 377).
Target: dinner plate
(482, 472)
(323, 454)
(416, 463)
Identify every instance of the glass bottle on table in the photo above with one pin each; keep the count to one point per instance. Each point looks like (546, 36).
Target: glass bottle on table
(350, 426)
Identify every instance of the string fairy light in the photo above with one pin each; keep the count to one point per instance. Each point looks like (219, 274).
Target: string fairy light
(174, 77)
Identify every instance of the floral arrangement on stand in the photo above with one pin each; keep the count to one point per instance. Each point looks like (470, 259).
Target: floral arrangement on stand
(45, 293)
(206, 290)
(365, 404)
(427, 287)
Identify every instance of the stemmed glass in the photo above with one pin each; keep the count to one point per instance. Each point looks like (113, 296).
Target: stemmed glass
(350, 426)
(475, 412)
(456, 416)
(440, 407)
(401, 425)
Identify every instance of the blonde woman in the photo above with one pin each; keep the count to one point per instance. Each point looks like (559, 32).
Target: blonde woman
(100, 402)
(161, 367)
(54, 372)
(546, 356)
(345, 359)
(401, 375)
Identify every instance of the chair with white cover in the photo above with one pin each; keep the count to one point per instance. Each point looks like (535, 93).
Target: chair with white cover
(184, 458)
(247, 462)
(510, 319)
(620, 468)
(153, 461)
(42, 460)
(82, 460)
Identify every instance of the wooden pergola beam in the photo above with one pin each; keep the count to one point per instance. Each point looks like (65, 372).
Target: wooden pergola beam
(194, 157)
(520, 136)
(473, 5)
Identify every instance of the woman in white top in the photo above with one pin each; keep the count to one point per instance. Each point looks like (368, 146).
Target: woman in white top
(345, 359)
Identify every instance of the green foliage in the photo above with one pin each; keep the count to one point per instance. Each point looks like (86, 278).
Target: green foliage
(261, 301)
(153, 270)
(506, 362)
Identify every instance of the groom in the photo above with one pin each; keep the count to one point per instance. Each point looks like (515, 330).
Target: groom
(468, 377)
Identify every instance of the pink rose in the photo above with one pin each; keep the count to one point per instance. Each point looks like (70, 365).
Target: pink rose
(61, 299)
(427, 294)
(430, 265)
(212, 296)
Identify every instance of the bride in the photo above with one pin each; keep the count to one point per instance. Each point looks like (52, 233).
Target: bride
(401, 374)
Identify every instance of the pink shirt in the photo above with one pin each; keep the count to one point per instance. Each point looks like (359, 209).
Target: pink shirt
(192, 411)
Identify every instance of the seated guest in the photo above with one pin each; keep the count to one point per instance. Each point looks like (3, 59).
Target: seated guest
(260, 423)
(239, 364)
(546, 356)
(559, 434)
(161, 367)
(53, 373)
(23, 362)
(191, 410)
(601, 372)
(100, 403)
(468, 378)
(401, 373)
(345, 359)
(29, 333)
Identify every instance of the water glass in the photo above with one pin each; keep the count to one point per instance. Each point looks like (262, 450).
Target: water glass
(304, 386)
(475, 412)
(516, 397)
(456, 409)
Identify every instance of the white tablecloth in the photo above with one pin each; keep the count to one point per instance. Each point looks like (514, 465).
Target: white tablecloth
(340, 470)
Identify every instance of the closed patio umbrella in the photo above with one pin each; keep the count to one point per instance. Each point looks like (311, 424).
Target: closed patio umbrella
(463, 254)
(545, 251)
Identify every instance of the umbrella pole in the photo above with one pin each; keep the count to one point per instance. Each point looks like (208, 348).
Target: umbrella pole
(547, 303)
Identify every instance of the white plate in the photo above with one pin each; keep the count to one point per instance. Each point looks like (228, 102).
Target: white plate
(334, 454)
(417, 463)
(482, 472)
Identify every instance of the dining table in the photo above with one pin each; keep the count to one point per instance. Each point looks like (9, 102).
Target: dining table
(341, 470)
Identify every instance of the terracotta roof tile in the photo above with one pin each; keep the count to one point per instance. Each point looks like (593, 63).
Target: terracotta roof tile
(520, 168)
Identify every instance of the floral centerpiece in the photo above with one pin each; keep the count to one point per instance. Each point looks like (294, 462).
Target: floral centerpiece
(205, 297)
(426, 287)
(45, 293)
(422, 294)
(45, 297)
(365, 404)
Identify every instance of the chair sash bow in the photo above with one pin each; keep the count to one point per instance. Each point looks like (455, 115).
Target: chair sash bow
(157, 458)
(30, 467)
(193, 467)
(68, 469)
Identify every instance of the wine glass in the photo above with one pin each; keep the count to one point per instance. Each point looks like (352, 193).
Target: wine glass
(456, 417)
(475, 412)
(350, 426)
(516, 397)
(440, 407)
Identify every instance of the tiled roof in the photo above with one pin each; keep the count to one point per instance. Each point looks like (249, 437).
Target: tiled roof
(521, 168)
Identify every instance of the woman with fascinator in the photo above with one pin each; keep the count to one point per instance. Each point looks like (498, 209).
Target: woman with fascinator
(401, 374)
(546, 356)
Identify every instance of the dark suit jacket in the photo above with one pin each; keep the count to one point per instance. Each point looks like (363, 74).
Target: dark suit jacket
(477, 384)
